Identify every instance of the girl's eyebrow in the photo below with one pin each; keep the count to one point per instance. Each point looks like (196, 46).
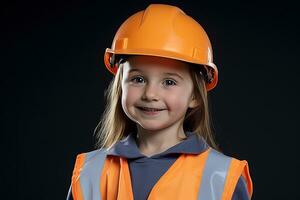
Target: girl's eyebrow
(166, 73)
(134, 69)
(173, 74)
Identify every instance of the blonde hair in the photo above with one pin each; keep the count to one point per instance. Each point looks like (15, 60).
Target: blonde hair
(115, 125)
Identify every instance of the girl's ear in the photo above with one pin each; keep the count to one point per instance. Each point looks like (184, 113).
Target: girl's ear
(193, 102)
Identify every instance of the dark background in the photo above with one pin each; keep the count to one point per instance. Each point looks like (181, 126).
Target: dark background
(53, 80)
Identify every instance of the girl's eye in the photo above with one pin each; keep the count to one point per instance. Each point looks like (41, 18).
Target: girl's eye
(170, 82)
(137, 79)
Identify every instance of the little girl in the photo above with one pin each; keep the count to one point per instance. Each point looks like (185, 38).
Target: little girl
(154, 140)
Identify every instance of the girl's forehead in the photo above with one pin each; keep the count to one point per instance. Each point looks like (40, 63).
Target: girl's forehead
(158, 64)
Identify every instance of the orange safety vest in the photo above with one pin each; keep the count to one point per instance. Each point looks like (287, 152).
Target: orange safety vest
(210, 175)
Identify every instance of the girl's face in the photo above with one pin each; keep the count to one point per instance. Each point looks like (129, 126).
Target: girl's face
(156, 92)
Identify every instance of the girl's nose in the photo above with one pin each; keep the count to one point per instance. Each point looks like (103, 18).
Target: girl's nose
(150, 92)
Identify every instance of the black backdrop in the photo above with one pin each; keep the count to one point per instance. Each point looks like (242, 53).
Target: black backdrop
(53, 80)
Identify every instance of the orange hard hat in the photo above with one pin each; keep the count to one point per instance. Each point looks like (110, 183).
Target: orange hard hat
(164, 31)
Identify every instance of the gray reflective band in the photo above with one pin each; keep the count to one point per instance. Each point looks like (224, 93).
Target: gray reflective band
(214, 175)
(91, 173)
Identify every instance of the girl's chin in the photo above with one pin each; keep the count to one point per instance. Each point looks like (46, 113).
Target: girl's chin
(154, 127)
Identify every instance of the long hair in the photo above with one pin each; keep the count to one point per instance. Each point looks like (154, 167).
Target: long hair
(114, 125)
(198, 119)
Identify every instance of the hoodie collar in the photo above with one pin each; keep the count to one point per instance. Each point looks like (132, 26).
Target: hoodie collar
(128, 147)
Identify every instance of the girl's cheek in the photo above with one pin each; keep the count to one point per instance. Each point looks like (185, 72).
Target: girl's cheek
(177, 99)
(130, 93)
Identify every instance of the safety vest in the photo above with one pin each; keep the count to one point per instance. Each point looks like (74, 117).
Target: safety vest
(210, 175)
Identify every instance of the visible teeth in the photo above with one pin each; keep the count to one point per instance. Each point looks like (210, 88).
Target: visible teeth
(150, 109)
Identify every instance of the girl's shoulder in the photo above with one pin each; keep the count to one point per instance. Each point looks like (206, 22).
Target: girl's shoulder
(236, 169)
(91, 155)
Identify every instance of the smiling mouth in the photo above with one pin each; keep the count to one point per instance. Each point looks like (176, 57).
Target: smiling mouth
(150, 109)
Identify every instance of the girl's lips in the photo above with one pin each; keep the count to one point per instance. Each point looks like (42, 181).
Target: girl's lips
(150, 111)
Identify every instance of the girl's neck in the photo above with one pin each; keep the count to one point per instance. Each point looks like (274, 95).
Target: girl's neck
(154, 142)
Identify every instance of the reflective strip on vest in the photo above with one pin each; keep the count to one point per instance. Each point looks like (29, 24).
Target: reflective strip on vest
(91, 173)
(214, 175)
